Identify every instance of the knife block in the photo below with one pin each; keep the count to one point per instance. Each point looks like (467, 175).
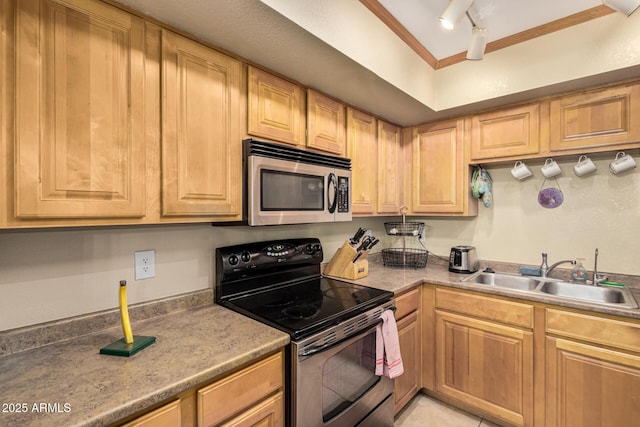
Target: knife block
(342, 265)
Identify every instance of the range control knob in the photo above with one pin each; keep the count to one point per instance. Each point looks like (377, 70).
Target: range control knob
(309, 249)
(245, 256)
(233, 259)
(317, 248)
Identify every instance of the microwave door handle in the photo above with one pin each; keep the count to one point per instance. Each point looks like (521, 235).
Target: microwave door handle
(332, 203)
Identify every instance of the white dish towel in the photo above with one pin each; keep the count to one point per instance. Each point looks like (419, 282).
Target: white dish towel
(388, 357)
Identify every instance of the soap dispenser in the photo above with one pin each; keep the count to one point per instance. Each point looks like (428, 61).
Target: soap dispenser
(579, 273)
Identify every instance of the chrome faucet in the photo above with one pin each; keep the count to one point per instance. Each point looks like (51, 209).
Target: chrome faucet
(545, 269)
(597, 278)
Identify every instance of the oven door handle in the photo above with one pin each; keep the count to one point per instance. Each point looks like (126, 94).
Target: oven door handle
(359, 332)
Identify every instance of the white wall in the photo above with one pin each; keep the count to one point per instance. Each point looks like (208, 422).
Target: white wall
(599, 211)
(51, 274)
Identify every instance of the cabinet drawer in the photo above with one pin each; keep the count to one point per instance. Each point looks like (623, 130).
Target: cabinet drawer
(165, 416)
(615, 333)
(489, 308)
(407, 302)
(238, 391)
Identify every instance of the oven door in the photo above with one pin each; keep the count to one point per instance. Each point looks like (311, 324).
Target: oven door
(337, 386)
(286, 192)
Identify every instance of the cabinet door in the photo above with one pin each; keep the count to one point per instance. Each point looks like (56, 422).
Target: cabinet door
(603, 118)
(504, 133)
(591, 386)
(389, 167)
(438, 183)
(407, 385)
(276, 108)
(486, 365)
(326, 123)
(362, 149)
(80, 146)
(201, 136)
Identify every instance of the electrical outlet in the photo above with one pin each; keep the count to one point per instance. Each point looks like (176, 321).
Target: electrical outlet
(145, 262)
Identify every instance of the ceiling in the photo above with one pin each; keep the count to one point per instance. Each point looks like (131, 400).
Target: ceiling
(502, 18)
(280, 36)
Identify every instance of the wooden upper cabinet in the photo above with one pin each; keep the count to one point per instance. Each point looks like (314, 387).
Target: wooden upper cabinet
(276, 108)
(362, 149)
(389, 168)
(201, 130)
(438, 182)
(601, 118)
(505, 133)
(80, 145)
(326, 123)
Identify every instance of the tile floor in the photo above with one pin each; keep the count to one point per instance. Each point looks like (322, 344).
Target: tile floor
(425, 411)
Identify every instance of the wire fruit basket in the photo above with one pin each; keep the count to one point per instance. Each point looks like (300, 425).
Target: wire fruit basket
(404, 228)
(405, 257)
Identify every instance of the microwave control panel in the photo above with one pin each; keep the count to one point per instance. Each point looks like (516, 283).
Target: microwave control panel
(343, 194)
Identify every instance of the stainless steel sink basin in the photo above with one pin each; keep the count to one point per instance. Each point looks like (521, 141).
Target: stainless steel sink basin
(620, 297)
(502, 280)
(613, 297)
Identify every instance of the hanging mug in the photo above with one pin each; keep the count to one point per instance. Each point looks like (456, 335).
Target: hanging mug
(551, 168)
(622, 163)
(521, 171)
(585, 166)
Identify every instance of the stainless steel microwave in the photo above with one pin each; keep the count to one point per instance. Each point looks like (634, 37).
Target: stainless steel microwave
(286, 185)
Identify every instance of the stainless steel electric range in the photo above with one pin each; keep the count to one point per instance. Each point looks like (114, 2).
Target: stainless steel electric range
(331, 359)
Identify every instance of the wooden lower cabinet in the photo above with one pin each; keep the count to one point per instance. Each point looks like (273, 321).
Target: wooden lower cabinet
(242, 393)
(165, 416)
(407, 385)
(250, 397)
(591, 386)
(483, 355)
(486, 365)
(592, 371)
(529, 364)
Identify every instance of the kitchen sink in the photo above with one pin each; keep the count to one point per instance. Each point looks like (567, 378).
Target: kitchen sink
(596, 294)
(502, 280)
(615, 297)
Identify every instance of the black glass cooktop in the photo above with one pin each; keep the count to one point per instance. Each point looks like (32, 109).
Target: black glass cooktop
(308, 306)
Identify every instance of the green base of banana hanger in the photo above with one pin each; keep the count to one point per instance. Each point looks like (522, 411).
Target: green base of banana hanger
(121, 348)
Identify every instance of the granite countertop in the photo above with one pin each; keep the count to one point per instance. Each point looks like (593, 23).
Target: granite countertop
(79, 386)
(67, 382)
(436, 272)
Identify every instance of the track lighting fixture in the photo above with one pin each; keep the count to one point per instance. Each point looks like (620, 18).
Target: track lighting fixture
(478, 43)
(453, 13)
(626, 7)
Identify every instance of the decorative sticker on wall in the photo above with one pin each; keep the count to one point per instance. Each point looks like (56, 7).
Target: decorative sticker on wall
(550, 197)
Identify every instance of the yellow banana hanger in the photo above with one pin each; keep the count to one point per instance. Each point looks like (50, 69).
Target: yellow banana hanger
(130, 344)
